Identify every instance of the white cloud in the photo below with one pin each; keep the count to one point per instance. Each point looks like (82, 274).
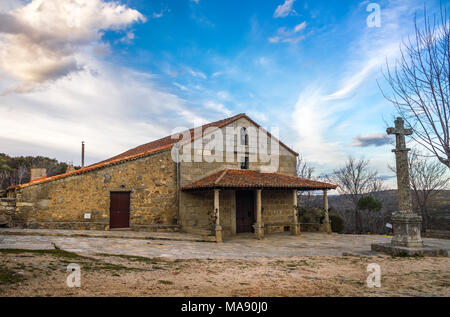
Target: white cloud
(300, 26)
(289, 36)
(195, 73)
(218, 107)
(311, 121)
(40, 40)
(257, 115)
(284, 9)
(94, 106)
(181, 87)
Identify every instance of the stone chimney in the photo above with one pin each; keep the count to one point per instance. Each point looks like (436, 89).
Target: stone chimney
(37, 173)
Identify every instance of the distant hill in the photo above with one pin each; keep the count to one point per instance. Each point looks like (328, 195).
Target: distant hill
(439, 209)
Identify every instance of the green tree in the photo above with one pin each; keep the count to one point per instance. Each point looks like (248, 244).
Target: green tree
(371, 205)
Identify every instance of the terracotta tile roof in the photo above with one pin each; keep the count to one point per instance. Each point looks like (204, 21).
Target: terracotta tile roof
(143, 150)
(90, 168)
(231, 178)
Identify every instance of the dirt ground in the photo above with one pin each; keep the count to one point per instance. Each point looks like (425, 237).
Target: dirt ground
(44, 273)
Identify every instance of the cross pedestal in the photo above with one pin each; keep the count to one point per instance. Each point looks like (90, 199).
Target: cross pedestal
(406, 223)
(407, 239)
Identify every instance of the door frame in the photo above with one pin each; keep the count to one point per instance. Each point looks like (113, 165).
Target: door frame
(252, 196)
(129, 206)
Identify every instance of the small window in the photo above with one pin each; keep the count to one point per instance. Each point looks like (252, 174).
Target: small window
(244, 136)
(244, 164)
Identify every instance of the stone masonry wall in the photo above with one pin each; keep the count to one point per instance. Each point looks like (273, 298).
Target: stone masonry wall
(199, 215)
(278, 210)
(196, 207)
(151, 182)
(7, 212)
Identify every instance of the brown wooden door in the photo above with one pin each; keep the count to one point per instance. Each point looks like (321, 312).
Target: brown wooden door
(119, 210)
(245, 212)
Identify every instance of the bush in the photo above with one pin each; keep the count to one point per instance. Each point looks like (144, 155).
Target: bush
(337, 223)
(310, 215)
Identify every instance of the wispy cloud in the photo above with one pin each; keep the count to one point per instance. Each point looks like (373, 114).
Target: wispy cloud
(218, 107)
(289, 36)
(319, 111)
(283, 10)
(194, 73)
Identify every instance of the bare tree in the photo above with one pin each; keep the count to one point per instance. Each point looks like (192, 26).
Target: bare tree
(22, 173)
(420, 87)
(427, 178)
(304, 170)
(355, 179)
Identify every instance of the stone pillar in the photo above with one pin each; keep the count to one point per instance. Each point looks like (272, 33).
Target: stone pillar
(259, 226)
(327, 221)
(295, 227)
(218, 227)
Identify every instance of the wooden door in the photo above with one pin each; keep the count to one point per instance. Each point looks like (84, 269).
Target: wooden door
(245, 211)
(119, 210)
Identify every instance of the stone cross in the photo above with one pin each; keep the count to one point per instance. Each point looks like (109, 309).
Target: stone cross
(402, 168)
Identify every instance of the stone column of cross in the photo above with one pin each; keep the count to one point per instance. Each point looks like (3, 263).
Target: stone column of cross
(402, 168)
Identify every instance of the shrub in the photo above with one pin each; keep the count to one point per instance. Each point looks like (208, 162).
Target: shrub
(310, 215)
(337, 223)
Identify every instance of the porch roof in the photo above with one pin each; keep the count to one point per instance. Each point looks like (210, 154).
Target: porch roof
(231, 178)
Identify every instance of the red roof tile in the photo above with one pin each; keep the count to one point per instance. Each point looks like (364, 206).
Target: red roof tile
(144, 150)
(230, 178)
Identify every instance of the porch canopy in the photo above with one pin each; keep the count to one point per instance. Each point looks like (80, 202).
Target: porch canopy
(257, 181)
(238, 179)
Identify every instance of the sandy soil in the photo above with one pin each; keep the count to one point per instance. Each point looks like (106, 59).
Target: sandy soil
(44, 273)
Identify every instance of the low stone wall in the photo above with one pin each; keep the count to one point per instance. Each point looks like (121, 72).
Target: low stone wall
(7, 212)
(313, 227)
(437, 234)
(103, 226)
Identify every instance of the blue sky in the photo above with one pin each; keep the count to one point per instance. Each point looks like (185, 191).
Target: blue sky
(131, 71)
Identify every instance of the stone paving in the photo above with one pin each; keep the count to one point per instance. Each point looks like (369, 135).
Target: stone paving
(122, 234)
(243, 246)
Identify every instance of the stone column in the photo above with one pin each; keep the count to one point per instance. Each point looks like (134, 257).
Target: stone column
(259, 226)
(295, 227)
(327, 221)
(218, 227)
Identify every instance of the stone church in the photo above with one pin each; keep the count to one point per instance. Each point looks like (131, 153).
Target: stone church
(215, 192)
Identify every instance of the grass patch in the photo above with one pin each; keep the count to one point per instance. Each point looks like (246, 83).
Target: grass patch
(165, 282)
(9, 277)
(55, 252)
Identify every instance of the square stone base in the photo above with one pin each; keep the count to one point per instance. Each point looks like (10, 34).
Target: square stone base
(404, 251)
(407, 230)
